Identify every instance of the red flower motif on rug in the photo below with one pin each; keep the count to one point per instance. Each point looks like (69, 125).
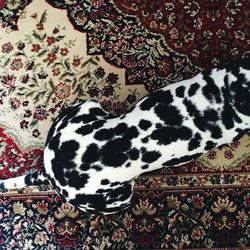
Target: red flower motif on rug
(13, 161)
(208, 32)
(160, 42)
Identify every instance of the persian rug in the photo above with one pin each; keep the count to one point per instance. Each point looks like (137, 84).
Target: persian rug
(58, 52)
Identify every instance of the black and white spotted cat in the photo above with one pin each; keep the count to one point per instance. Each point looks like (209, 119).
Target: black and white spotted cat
(92, 158)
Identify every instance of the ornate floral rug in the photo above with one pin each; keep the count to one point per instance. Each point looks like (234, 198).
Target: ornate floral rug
(55, 53)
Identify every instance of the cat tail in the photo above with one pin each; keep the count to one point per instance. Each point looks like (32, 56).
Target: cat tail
(33, 179)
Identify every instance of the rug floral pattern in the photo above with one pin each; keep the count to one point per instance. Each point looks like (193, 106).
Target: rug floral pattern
(160, 42)
(42, 73)
(116, 52)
